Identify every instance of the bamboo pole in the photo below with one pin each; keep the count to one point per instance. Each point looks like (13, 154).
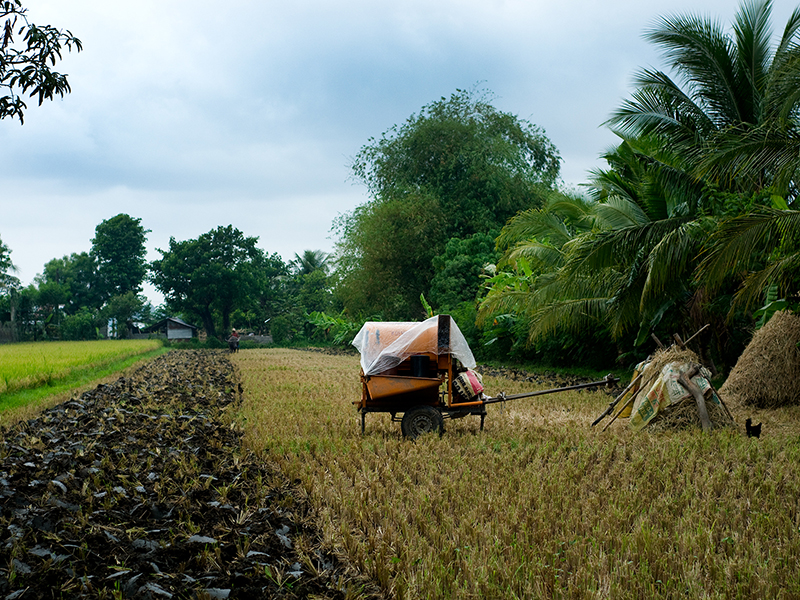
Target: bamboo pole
(611, 406)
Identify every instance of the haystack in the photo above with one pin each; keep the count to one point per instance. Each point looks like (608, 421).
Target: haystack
(767, 374)
(681, 414)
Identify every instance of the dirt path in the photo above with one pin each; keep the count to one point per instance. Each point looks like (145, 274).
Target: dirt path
(139, 489)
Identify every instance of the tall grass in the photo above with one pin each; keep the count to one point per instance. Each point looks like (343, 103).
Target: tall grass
(29, 365)
(539, 505)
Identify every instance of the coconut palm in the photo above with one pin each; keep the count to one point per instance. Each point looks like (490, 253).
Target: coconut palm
(625, 256)
(310, 261)
(628, 256)
(732, 113)
(763, 248)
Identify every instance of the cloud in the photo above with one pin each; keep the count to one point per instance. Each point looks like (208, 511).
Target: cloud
(196, 114)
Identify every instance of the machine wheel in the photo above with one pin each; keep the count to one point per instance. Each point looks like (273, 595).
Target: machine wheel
(421, 419)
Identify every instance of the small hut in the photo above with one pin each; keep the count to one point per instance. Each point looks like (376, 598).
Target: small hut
(173, 328)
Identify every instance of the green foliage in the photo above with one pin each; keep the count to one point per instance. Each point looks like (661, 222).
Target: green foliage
(310, 261)
(702, 159)
(283, 329)
(83, 325)
(330, 329)
(7, 280)
(482, 165)
(215, 274)
(118, 247)
(122, 310)
(77, 275)
(386, 253)
(426, 306)
(313, 293)
(459, 269)
(458, 168)
(27, 53)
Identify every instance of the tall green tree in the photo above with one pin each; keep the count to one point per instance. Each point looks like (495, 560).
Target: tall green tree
(457, 168)
(28, 54)
(78, 274)
(118, 247)
(7, 280)
(212, 275)
(483, 165)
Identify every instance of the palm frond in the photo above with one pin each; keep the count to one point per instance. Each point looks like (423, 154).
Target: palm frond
(672, 261)
(659, 107)
(534, 224)
(700, 51)
(739, 242)
(752, 33)
(781, 273)
(605, 249)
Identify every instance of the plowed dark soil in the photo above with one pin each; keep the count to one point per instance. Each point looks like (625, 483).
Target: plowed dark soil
(141, 489)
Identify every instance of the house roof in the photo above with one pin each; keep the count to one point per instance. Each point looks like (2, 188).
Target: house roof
(162, 322)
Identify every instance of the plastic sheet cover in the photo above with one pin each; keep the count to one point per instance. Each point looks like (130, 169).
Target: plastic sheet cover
(384, 345)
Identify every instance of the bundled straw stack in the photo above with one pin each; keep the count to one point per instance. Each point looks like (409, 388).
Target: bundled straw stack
(684, 414)
(767, 374)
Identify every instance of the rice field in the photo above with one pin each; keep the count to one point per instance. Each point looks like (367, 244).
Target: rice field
(538, 505)
(29, 365)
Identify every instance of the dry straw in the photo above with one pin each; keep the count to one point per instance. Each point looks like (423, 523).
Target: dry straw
(682, 415)
(767, 375)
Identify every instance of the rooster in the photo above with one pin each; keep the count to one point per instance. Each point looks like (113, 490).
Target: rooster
(752, 430)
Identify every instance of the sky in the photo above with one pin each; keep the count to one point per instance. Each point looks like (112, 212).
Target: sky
(194, 114)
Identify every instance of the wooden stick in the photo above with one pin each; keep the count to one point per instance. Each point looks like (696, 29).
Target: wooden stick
(631, 399)
(657, 341)
(699, 331)
(611, 406)
(725, 406)
(685, 379)
(629, 402)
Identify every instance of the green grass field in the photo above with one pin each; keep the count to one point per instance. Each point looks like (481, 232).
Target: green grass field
(539, 505)
(32, 372)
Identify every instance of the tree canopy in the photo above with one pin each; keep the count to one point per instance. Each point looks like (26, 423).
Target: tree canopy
(214, 274)
(698, 155)
(457, 168)
(118, 247)
(28, 54)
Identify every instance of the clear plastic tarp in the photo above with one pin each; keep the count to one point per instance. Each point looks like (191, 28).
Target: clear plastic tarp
(384, 345)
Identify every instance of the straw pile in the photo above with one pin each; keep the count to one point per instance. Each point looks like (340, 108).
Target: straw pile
(767, 374)
(663, 357)
(682, 415)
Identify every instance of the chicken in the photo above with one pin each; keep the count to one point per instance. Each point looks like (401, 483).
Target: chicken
(752, 430)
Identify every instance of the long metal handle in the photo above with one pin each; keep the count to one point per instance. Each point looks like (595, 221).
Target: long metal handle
(608, 380)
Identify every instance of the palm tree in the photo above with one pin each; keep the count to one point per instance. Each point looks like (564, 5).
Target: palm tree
(714, 143)
(732, 115)
(624, 257)
(762, 248)
(310, 261)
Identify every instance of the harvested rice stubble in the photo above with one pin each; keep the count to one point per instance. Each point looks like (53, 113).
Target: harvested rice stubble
(141, 488)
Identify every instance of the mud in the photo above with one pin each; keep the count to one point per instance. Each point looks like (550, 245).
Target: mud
(141, 489)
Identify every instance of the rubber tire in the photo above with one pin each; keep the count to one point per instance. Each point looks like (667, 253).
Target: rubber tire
(420, 420)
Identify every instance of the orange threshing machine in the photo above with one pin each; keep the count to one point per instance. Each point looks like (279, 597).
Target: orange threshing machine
(424, 371)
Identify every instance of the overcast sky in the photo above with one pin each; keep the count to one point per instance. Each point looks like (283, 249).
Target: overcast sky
(195, 114)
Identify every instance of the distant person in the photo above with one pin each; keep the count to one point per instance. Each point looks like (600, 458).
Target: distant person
(233, 341)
